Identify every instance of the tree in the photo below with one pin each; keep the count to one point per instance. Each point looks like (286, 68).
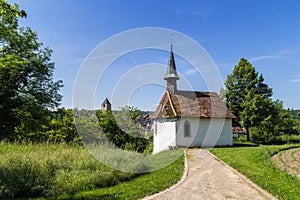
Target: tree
(61, 127)
(125, 120)
(111, 130)
(120, 129)
(27, 88)
(246, 95)
(249, 98)
(277, 123)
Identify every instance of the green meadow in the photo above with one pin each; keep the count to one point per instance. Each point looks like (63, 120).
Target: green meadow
(61, 171)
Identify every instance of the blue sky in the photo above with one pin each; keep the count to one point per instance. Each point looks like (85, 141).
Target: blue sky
(266, 33)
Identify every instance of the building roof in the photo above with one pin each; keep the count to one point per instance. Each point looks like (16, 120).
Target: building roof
(106, 102)
(171, 71)
(191, 104)
(237, 129)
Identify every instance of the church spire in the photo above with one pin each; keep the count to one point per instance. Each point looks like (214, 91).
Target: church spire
(171, 76)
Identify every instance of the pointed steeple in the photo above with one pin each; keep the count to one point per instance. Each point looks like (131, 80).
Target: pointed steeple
(171, 76)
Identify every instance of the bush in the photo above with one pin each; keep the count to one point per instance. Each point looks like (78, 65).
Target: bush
(242, 139)
(285, 139)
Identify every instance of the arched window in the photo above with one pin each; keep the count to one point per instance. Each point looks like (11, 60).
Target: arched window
(187, 129)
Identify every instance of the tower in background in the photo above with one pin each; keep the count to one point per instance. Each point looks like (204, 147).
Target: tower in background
(106, 105)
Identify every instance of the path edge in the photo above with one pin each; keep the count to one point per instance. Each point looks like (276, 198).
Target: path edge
(184, 176)
(251, 183)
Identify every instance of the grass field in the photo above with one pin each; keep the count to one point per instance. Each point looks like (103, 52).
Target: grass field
(52, 171)
(255, 163)
(59, 171)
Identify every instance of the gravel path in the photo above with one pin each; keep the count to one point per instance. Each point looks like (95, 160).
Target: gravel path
(209, 178)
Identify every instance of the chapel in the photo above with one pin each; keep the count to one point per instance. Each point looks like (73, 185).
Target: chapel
(189, 118)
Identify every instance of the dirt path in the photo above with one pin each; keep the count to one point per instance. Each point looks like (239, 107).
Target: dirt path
(208, 178)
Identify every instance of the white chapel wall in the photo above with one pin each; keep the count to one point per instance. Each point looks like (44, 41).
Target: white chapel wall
(164, 134)
(205, 132)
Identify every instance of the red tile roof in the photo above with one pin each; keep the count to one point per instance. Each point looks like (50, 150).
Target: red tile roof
(191, 104)
(236, 129)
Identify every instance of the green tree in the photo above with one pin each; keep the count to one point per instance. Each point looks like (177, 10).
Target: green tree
(277, 123)
(111, 129)
(27, 88)
(61, 127)
(297, 126)
(121, 130)
(249, 98)
(247, 95)
(125, 120)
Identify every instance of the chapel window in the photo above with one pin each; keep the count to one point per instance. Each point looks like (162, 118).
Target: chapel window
(187, 129)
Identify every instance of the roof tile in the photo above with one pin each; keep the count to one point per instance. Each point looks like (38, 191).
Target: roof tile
(191, 104)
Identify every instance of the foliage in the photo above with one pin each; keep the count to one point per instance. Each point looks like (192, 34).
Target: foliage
(5, 7)
(244, 81)
(278, 123)
(27, 88)
(249, 98)
(244, 90)
(297, 125)
(121, 130)
(111, 129)
(283, 139)
(87, 125)
(130, 111)
(242, 139)
(255, 163)
(48, 170)
(294, 113)
(57, 126)
(126, 120)
(149, 148)
(61, 127)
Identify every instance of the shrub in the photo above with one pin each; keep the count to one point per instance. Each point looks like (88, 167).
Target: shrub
(242, 139)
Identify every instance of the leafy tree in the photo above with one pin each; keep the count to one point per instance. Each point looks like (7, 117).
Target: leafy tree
(247, 95)
(249, 98)
(61, 127)
(4, 6)
(277, 123)
(125, 120)
(120, 129)
(297, 125)
(27, 88)
(87, 125)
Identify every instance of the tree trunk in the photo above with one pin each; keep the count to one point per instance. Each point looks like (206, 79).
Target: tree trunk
(248, 134)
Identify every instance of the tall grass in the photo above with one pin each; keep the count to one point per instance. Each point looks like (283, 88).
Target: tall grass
(48, 170)
(144, 185)
(52, 171)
